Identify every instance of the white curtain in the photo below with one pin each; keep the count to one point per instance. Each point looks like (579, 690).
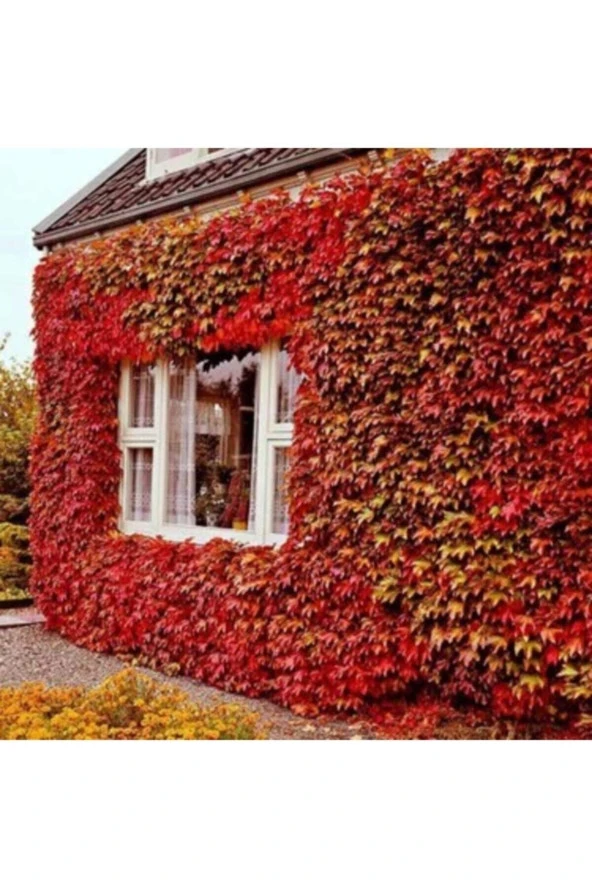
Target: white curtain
(162, 154)
(181, 446)
(254, 455)
(140, 504)
(294, 380)
(211, 419)
(280, 493)
(288, 382)
(142, 410)
(142, 397)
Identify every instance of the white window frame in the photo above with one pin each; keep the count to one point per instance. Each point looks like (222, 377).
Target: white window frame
(156, 170)
(270, 435)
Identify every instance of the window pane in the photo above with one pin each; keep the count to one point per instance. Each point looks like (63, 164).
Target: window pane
(281, 463)
(225, 413)
(139, 499)
(162, 154)
(142, 399)
(287, 386)
(181, 438)
(212, 422)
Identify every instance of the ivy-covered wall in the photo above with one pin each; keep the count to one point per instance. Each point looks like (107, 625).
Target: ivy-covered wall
(441, 490)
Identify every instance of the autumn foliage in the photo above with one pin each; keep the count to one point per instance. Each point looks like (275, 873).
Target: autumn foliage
(441, 487)
(126, 706)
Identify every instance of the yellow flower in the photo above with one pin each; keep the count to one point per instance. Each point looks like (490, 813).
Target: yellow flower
(126, 706)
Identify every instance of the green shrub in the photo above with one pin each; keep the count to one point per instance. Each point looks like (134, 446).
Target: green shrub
(17, 418)
(13, 593)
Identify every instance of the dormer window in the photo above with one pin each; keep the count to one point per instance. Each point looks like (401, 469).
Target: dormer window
(161, 161)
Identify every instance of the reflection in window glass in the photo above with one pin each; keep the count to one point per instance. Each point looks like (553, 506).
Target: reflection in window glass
(139, 500)
(280, 516)
(142, 397)
(211, 424)
(288, 381)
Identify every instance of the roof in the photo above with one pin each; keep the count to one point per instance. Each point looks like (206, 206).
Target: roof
(121, 194)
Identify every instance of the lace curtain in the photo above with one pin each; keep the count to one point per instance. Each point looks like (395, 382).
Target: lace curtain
(142, 417)
(280, 519)
(140, 503)
(253, 478)
(162, 154)
(288, 382)
(142, 397)
(180, 503)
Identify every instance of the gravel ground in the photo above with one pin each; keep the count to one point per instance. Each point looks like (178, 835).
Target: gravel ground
(30, 653)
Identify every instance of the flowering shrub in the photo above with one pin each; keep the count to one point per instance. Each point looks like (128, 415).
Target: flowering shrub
(127, 706)
(440, 494)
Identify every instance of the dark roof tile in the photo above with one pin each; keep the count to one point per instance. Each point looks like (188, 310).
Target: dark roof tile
(126, 191)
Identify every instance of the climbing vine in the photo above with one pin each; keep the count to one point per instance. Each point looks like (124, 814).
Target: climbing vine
(441, 489)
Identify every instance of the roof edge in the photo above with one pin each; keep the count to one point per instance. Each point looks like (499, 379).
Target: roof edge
(195, 197)
(109, 171)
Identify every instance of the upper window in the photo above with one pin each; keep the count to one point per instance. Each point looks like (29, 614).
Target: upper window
(161, 161)
(206, 446)
(142, 398)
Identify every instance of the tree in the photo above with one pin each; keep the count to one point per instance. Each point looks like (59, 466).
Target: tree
(17, 417)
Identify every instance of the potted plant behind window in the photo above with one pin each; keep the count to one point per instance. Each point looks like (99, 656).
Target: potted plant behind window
(236, 513)
(241, 519)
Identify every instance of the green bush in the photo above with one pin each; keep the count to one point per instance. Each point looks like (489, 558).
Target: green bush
(14, 562)
(12, 593)
(17, 417)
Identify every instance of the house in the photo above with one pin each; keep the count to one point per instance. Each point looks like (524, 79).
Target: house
(306, 417)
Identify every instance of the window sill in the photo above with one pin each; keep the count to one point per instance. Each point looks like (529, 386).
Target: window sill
(179, 533)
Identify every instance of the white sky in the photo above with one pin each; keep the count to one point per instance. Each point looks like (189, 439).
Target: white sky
(33, 183)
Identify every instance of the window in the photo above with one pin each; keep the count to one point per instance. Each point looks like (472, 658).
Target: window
(161, 161)
(206, 446)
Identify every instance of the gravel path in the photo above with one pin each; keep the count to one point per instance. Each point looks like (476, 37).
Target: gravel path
(30, 653)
